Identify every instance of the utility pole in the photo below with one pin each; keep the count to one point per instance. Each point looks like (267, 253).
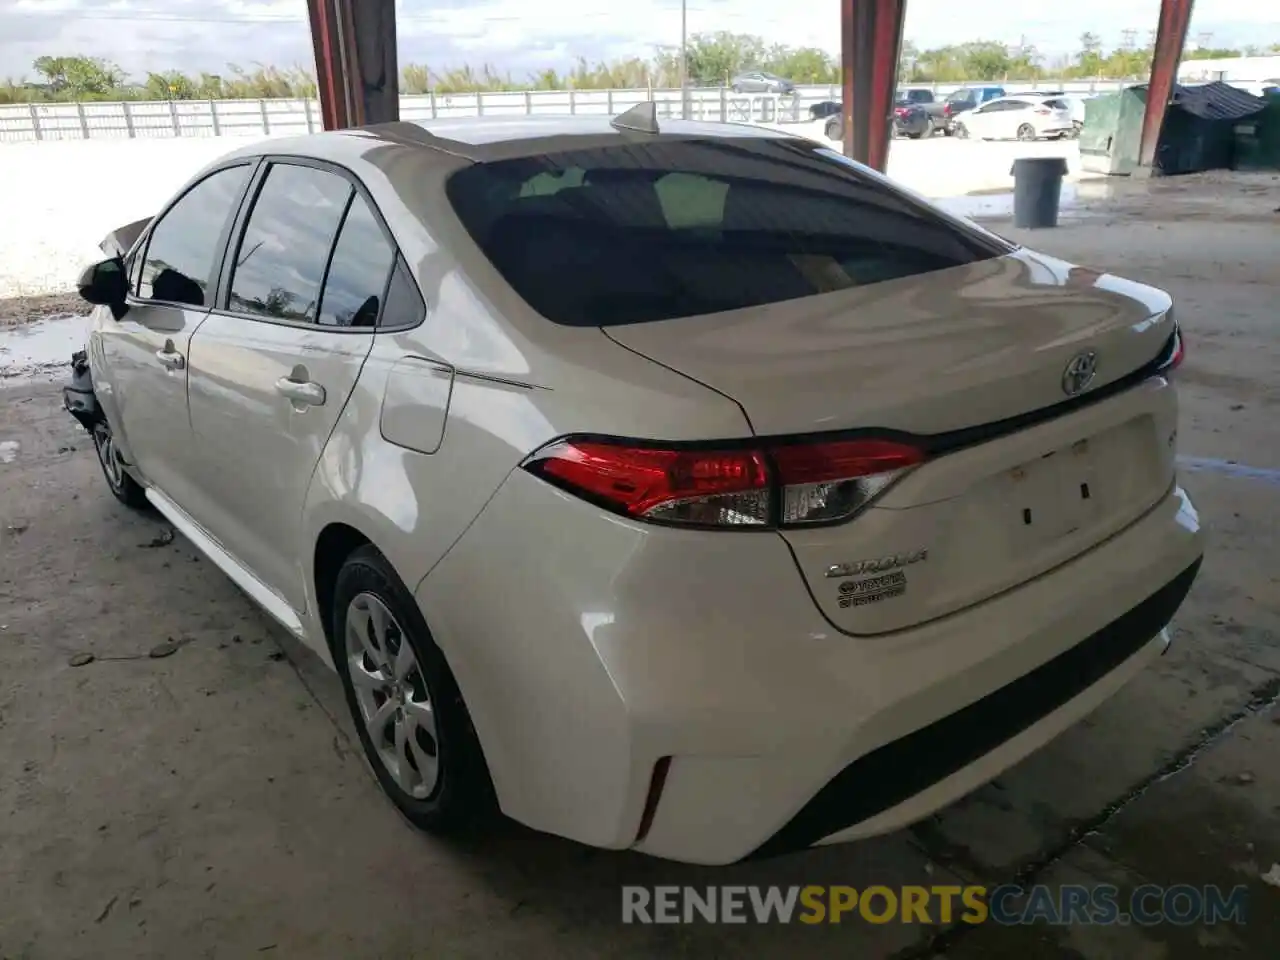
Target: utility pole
(684, 59)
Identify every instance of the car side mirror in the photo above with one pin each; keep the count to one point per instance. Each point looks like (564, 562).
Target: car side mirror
(104, 283)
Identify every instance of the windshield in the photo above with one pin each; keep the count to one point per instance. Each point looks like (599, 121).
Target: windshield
(672, 227)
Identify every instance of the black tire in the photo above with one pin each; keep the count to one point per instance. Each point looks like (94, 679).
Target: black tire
(916, 136)
(835, 129)
(122, 486)
(462, 796)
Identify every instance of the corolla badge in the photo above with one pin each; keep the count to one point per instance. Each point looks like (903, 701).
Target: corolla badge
(857, 568)
(1080, 372)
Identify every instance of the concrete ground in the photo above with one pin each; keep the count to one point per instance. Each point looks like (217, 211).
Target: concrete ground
(212, 803)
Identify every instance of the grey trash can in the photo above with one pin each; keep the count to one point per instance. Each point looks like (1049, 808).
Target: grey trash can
(1037, 191)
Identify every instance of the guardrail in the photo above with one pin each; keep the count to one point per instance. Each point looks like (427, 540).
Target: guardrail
(164, 119)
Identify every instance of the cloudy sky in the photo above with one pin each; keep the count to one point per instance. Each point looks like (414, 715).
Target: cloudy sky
(194, 35)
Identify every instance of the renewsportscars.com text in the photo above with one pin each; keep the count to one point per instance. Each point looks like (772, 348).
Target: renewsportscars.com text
(1069, 904)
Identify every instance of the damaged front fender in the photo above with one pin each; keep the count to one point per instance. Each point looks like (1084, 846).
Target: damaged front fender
(78, 396)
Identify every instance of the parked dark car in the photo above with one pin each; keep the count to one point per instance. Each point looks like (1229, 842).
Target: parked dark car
(827, 108)
(915, 95)
(757, 81)
(925, 100)
(963, 100)
(909, 120)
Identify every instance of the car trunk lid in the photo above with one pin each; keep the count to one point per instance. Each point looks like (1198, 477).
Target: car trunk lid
(974, 364)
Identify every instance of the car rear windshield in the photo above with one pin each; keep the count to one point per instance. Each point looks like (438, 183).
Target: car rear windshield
(670, 228)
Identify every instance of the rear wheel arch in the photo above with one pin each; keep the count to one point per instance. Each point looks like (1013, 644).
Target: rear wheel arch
(336, 542)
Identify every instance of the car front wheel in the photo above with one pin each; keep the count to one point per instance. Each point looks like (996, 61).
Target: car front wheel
(409, 714)
(122, 486)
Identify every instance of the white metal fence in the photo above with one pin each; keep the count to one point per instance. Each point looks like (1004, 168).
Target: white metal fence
(257, 118)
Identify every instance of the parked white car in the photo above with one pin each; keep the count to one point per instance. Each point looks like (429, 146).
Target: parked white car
(1017, 118)
(696, 491)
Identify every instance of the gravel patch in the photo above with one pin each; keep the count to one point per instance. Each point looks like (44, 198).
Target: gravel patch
(19, 310)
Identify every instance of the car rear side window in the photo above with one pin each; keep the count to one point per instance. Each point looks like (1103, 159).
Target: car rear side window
(362, 259)
(280, 262)
(1057, 105)
(184, 244)
(404, 307)
(675, 228)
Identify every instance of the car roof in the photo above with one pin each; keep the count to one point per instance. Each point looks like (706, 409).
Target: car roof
(482, 139)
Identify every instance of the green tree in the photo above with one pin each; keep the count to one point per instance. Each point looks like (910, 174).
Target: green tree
(1089, 61)
(81, 78)
(802, 64)
(985, 60)
(171, 85)
(714, 58)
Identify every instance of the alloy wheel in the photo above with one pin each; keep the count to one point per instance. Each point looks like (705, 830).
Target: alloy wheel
(112, 466)
(391, 692)
(1026, 132)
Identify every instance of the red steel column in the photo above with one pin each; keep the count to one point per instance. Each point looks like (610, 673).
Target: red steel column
(870, 45)
(356, 67)
(1171, 35)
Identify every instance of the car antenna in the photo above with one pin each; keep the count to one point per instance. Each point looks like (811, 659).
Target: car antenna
(642, 118)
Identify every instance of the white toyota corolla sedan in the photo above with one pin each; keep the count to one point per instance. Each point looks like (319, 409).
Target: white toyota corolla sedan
(691, 490)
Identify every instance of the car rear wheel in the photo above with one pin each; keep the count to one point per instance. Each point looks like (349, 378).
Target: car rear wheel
(409, 714)
(1026, 132)
(122, 486)
(962, 131)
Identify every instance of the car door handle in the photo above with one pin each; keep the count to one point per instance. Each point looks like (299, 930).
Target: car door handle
(170, 359)
(302, 392)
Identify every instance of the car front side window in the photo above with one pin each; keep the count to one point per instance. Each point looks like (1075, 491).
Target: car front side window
(280, 261)
(185, 243)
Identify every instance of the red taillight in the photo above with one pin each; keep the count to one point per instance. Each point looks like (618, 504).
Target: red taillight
(899, 111)
(946, 109)
(778, 484)
(1043, 111)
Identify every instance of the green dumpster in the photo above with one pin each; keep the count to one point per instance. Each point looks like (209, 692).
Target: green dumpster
(1257, 139)
(1112, 131)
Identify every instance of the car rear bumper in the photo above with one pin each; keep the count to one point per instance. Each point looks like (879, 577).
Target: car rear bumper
(589, 648)
(912, 776)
